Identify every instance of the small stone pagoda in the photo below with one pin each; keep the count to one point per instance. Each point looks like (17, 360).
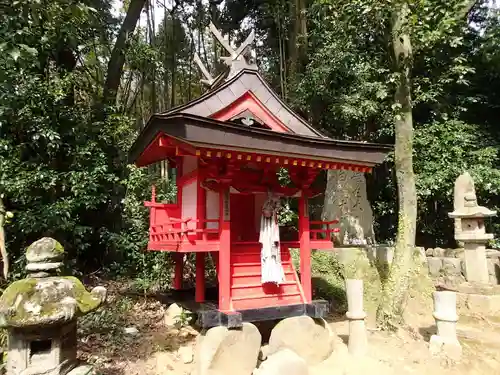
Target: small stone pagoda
(471, 231)
(40, 314)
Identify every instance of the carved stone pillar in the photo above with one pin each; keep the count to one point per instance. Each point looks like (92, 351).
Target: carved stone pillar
(445, 314)
(358, 342)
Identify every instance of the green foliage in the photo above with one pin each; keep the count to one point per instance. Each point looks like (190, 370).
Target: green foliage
(150, 270)
(184, 318)
(63, 167)
(461, 147)
(328, 277)
(59, 168)
(347, 90)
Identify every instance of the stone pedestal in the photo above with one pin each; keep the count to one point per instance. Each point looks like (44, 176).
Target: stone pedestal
(445, 314)
(476, 264)
(358, 341)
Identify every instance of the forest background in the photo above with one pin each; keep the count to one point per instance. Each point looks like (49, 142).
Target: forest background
(79, 80)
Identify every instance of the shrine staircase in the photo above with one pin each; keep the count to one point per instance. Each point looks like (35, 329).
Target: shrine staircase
(247, 291)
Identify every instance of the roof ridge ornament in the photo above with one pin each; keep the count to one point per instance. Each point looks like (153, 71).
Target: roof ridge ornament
(208, 77)
(238, 59)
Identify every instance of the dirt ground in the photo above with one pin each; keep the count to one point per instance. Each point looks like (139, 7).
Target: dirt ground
(150, 348)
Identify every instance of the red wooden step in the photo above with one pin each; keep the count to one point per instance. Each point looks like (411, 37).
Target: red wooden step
(263, 291)
(255, 278)
(247, 291)
(254, 302)
(237, 270)
(245, 258)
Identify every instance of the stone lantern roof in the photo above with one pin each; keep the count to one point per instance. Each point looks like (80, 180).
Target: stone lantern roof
(465, 200)
(44, 298)
(471, 210)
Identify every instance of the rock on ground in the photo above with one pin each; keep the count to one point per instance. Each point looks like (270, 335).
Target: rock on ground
(284, 362)
(185, 354)
(222, 351)
(311, 340)
(172, 315)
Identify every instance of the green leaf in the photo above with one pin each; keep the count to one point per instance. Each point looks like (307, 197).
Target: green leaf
(32, 51)
(15, 53)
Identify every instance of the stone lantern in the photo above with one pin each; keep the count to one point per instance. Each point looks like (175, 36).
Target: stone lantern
(470, 230)
(40, 314)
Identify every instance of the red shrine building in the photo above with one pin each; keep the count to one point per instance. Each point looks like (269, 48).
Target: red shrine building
(227, 147)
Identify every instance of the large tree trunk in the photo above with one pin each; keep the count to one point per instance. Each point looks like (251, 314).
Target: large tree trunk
(395, 287)
(117, 60)
(297, 42)
(346, 199)
(3, 249)
(152, 32)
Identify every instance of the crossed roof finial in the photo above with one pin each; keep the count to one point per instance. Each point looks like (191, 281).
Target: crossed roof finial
(237, 60)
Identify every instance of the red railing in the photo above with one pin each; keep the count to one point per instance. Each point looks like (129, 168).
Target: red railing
(207, 234)
(177, 230)
(325, 230)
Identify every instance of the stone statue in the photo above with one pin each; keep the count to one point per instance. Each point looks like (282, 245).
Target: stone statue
(40, 314)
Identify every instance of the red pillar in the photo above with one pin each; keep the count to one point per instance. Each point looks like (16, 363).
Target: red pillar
(224, 251)
(178, 270)
(201, 208)
(305, 247)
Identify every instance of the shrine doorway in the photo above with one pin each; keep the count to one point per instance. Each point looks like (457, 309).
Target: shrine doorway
(243, 218)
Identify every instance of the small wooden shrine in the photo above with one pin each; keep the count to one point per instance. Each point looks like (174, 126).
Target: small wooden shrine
(227, 147)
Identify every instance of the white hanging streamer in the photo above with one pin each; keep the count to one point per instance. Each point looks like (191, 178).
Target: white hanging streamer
(272, 270)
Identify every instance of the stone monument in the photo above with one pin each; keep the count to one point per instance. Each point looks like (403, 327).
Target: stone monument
(445, 314)
(477, 294)
(472, 233)
(358, 342)
(40, 314)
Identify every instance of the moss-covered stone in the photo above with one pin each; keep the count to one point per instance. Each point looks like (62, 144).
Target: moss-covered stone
(43, 301)
(45, 249)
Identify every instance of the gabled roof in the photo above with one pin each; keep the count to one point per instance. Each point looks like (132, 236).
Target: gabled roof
(223, 95)
(167, 133)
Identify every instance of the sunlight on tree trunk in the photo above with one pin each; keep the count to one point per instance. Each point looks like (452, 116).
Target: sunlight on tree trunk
(3, 249)
(115, 65)
(395, 287)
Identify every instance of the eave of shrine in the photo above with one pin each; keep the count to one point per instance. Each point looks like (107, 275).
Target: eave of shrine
(181, 134)
(247, 90)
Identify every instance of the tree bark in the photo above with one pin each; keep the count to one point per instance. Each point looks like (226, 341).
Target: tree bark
(282, 59)
(173, 58)
(395, 287)
(117, 60)
(298, 38)
(346, 200)
(292, 36)
(152, 31)
(3, 249)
